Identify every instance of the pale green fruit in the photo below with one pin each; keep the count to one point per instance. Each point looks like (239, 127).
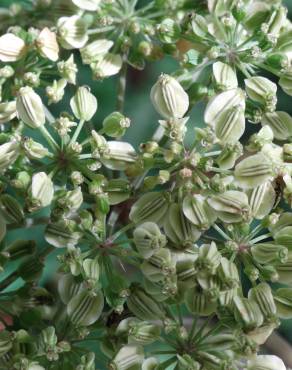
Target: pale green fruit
(30, 108)
(284, 270)
(286, 82)
(230, 125)
(34, 150)
(179, 229)
(91, 52)
(197, 210)
(84, 309)
(199, 25)
(253, 171)
(280, 123)
(284, 237)
(68, 288)
(262, 295)
(150, 363)
(261, 334)
(269, 253)
(262, 200)
(148, 239)
(228, 273)
(72, 31)
(47, 44)
(168, 31)
(41, 190)
(119, 155)
(83, 104)
(118, 190)
(11, 210)
(247, 313)
(129, 357)
(266, 362)
(143, 333)
(277, 20)
(2, 228)
(223, 102)
(283, 300)
(151, 207)
(107, 65)
(225, 76)
(60, 235)
(260, 89)
(159, 265)
(169, 98)
(11, 48)
(208, 260)
(7, 111)
(199, 303)
(230, 206)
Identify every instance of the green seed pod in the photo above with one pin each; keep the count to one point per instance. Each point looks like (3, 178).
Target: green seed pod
(6, 341)
(266, 362)
(231, 206)
(230, 125)
(262, 200)
(83, 104)
(283, 300)
(168, 31)
(277, 20)
(199, 303)
(30, 108)
(115, 124)
(225, 76)
(179, 229)
(92, 51)
(280, 123)
(262, 295)
(9, 152)
(41, 191)
(30, 269)
(281, 221)
(221, 103)
(284, 270)
(229, 155)
(159, 265)
(286, 82)
(118, 190)
(72, 31)
(91, 271)
(247, 313)
(260, 335)
(84, 309)
(198, 26)
(284, 237)
(34, 150)
(107, 65)
(49, 338)
(11, 210)
(278, 61)
(87, 362)
(150, 363)
(169, 98)
(129, 357)
(152, 207)
(253, 171)
(260, 89)
(269, 253)
(228, 273)
(144, 306)
(143, 333)
(148, 239)
(21, 248)
(60, 235)
(197, 211)
(7, 111)
(119, 155)
(208, 260)
(69, 288)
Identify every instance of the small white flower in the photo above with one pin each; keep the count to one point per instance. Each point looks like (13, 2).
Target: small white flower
(48, 45)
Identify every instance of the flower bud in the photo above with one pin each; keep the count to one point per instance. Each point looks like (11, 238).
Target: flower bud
(253, 171)
(68, 69)
(85, 309)
(115, 124)
(262, 295)
(11, 210)
(266, 362)
(7, 111)
(83, 104)
(268, 253)
(90, 5)
(11, 48)
(169, 98)
(179, 229)
(73, 32)
(148, 238)
(280, 123)
(93, 51)
(144, 306)
(30, 108)
(225, 76)
(47, 44)
(128, 357)
(119, 155)
(231, 206)
(159, 265)
(107, 65)
(56, 91)
(41, 191)
(33, 149)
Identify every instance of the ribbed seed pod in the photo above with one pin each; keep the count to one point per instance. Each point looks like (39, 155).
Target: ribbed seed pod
(150, 207)
(197, 211)
(260, 88)
(11, 209)
(91, 270)
(284, 270)
(269, 253)
(72, 31)
(119, 155)
(262, 295)
(261, 200)
(11, 48)
(91, 52)
(7, 111)
(69, 288)
(84, 309)
(128, 357)
(9, 152)
(60, 235)
(228, 273)
(283, 300)
(107, 65)
(247, 313)
(209, 259)
(143, 333)
(83, 104)
(253, 171)
(231, 206)
(286, 82)
(179, 229)
(21, 248)
(284, 237)
(159, 265)
(144, 305)
(225, 76)
(280, 123)
(30, 108)
(118, 190)
(199, 303)
(283, 220)
(148, 239)
(230, 125)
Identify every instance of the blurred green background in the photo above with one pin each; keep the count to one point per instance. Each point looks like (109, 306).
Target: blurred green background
(144, 121)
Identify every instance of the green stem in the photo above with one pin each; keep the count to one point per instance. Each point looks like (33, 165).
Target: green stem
(260, 238)
(50, 140)
(120, 232)
(221, 232)
(77, 132)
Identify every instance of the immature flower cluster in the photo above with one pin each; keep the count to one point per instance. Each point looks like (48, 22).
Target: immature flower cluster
(166, 250)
